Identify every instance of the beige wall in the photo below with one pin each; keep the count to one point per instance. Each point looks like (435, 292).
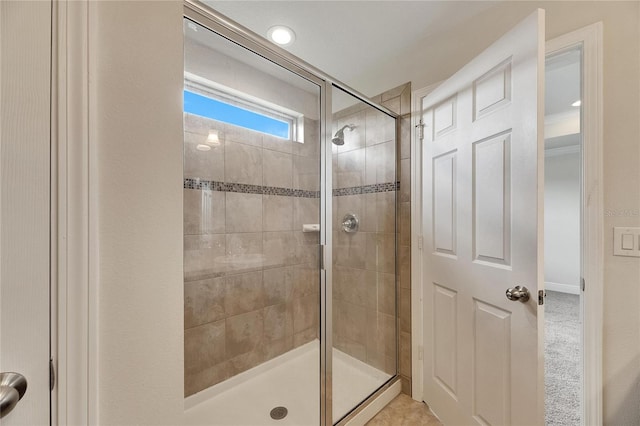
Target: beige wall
(432, 60)
(136, 129)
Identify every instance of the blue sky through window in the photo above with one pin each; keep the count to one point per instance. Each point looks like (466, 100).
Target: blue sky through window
(221, 111)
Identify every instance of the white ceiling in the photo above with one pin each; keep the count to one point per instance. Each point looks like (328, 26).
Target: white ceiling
(346, 38)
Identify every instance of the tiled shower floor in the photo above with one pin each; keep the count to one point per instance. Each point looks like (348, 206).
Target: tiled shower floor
(293, 382)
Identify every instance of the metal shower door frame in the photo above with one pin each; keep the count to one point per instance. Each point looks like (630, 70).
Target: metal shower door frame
(223, 26)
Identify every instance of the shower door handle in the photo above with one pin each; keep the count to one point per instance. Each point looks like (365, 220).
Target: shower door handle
(12, 389)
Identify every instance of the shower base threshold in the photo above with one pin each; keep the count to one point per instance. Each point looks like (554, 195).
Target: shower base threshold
(291, 380)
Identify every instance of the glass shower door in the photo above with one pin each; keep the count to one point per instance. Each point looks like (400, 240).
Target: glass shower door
(251, 237)
(364, 251)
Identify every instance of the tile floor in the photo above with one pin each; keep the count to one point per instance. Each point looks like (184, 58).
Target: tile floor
(404, 411)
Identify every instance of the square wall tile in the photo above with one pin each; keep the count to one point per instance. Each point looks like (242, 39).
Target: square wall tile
(306, 173)
(204, 301)
(350, 250)
(404, 221)
(274, 348)
(386, 211)
(243, 243)
(381, 292)
(243, 212)
(311, 145)
(277, 169)
(241, 135)
(200, 252)
(277, 213)
(306, 281)
(278, 285)
(380, 127)
(369, 221)
(380, 252)
(204, 212)
(381, 163)
(357, 350)
(350, 285)
(381, 333)
(204, 346)
(244, 293)
(242, 163)
(404, 307)
(305, 336)
(244, 333)
(278, 321)
(405, 180)
(405, 136)
(405, 354)
(404, 260)
(306, 248)
(350, 169)
(350, 321)
(278, 248)
(208, 165)
(245, 361)
(277, 144)
(306, 312)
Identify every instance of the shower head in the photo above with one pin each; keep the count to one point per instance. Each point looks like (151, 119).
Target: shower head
(338, 139)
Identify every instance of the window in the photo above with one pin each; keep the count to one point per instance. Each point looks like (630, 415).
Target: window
(230, 106)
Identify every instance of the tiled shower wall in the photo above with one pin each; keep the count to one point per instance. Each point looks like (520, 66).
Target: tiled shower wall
(364, 308)
(363, 262)
(251, 275)
(398, 100)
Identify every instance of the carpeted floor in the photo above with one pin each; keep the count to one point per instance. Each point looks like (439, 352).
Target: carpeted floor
(562, 359)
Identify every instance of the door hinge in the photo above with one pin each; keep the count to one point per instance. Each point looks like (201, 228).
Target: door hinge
(420, 352)
(541, 295)
(52, 375)
(582, 283)
(420, 127)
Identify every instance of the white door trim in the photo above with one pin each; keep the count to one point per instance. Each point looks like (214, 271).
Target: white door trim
(591, 39)
(74, 333)
(417, 319)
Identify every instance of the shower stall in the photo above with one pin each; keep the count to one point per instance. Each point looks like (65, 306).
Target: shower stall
(290, 294)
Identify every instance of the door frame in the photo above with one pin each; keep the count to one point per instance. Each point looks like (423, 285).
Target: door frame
(74, 221)
(590, 38)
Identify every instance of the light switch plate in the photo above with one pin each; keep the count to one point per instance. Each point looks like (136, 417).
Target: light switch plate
(626, 241)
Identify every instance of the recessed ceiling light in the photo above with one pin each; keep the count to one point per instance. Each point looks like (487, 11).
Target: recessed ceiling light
(284, 36)
(203, 147)
(576, 103)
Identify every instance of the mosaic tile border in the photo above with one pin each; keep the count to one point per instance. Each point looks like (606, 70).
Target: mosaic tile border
(212, 185)
(367, 189)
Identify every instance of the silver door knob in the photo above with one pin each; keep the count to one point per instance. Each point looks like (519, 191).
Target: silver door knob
(12, 389)
(518, 293)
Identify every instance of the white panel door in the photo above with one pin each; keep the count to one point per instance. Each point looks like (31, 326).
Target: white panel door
(25, 86)
(482, 183)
